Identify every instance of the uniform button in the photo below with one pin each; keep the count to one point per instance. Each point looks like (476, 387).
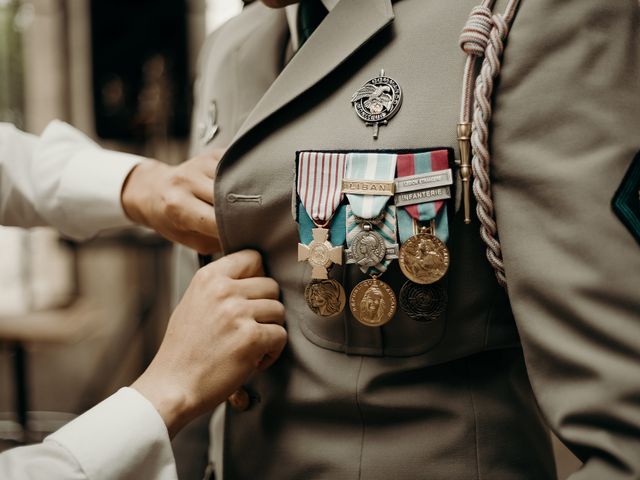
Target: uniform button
(239, 401)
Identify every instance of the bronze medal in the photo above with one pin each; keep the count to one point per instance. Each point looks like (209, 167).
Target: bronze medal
(423, 303)
(424, 258)
(372, 302)
(325, 298)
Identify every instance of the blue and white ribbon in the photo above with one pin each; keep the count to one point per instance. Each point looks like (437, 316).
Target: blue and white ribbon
(369, 166)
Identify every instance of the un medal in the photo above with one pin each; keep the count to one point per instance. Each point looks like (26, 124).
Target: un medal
(325, 298)
(372, 302)
(367, 249)
(423, 303)
(424, 258)
(377, 101)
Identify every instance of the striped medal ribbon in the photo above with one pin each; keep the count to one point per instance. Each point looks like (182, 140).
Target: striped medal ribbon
(422, 188)
(319, 190)
(319, 183)
(371, 234)
(371, 224)
(426, 192)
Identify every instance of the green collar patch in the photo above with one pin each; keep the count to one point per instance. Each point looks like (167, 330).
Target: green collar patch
(626, 201)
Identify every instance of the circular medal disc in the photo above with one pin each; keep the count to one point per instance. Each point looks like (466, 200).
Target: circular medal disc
(368, 248)
(372, 302)
(423, 303)
(319, 254)
(424, 258)
(325, 298)
(378, 100)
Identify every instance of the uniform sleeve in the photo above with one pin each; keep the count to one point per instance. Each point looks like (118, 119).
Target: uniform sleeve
(77, 185)
(566, 128)
(17, 196)
(121, 438)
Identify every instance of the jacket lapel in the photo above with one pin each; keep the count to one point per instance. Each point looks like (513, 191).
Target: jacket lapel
(349, 25)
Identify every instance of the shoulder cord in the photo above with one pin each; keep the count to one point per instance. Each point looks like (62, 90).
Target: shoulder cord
(482, 37)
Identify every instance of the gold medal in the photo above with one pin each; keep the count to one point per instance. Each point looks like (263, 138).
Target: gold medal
(325, 298)
(423, 303)
(372, 302)
(424, 258)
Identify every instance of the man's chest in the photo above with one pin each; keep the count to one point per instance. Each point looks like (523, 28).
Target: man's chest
(256, 194)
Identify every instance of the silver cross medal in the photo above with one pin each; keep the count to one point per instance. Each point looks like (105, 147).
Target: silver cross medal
(320, 254)
(377, 101)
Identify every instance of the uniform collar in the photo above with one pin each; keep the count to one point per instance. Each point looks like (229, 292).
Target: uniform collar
(324, 51)
(292, 16)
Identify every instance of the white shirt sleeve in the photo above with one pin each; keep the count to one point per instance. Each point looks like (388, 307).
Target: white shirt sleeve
(121, 438)
(63, 179)
(16, 188)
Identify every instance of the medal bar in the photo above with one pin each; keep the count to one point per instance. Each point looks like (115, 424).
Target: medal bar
(369, 187)
(424, 181)
(422, 196)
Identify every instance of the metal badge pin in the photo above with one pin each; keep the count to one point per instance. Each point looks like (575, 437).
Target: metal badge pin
(377, 101)
(209, 128)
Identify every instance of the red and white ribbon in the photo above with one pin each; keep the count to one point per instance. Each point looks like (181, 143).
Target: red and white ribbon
(319, 183)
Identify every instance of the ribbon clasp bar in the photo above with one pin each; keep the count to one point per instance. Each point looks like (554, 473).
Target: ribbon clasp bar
(369, 187)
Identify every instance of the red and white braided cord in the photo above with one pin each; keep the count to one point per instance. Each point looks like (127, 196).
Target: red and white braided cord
(473, 39)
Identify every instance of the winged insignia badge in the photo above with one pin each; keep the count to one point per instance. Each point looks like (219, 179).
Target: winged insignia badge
(377, 101)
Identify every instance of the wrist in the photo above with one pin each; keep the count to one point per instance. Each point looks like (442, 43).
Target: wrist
(136, 190)
(170, 401)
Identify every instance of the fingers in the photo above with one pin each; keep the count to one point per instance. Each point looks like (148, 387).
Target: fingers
(194, 215)
(274, 339)
(208, 163)
(267, 311)
(202, 244)
(202, 187)
(238, 265)
(258, 288)
(203, 175)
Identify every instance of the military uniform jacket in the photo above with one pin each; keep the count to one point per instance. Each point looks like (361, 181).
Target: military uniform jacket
(451, 398)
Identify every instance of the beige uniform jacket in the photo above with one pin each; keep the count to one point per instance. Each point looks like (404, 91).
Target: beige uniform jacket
(449, 399)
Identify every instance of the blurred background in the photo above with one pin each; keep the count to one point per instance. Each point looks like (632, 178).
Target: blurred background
(78, 321)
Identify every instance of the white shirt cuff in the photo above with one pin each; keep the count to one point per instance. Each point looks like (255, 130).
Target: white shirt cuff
(121, 437)
(86, 198)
